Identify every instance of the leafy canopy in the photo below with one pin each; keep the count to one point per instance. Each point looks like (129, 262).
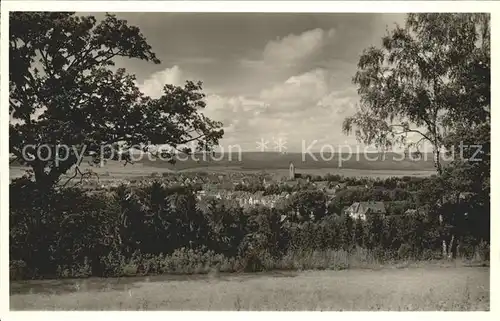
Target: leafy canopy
(428, 78)
(63, 92)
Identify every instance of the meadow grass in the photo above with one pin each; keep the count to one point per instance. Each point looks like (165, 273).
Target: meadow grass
(418, 287)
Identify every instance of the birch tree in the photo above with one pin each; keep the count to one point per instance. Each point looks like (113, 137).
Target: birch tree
(429, 78)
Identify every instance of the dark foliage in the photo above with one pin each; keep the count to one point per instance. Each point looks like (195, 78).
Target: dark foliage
(56, 233)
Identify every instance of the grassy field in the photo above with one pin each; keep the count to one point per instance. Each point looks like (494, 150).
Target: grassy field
(429, 287)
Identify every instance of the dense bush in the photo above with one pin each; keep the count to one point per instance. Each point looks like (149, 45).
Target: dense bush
(160, 228)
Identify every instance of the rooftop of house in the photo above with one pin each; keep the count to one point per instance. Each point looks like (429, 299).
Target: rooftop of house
(365, 207)
(351, 187)
(465, 195)
(330, 191)
(411, 211)
(321, 184)
(462, 196)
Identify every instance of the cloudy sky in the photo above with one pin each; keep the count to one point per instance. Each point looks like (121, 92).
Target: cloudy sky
(266, 76)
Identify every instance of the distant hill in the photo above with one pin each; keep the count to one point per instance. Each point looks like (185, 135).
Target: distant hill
(274, 160)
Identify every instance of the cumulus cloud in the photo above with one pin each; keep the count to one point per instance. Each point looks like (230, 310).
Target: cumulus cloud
(339, 102)
(234, 112)
(153, 85)
(297, 91)
(293, 48)
(236, 104)
(302, 108)
(309, 108)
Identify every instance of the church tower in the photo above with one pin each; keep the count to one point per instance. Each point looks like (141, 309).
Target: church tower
(292, 171)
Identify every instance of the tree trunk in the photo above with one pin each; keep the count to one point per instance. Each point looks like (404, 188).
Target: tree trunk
(437, 164)
(96, 265)
(445, 252)
(451, 248)
(39, 171)
(443, 238)
(437, 160)
(42, 179)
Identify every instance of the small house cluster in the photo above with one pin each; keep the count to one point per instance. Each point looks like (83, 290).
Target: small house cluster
(244, 199)
(360, 210)
(221, 186)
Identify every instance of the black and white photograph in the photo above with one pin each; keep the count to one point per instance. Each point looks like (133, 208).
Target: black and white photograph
(246, 161)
